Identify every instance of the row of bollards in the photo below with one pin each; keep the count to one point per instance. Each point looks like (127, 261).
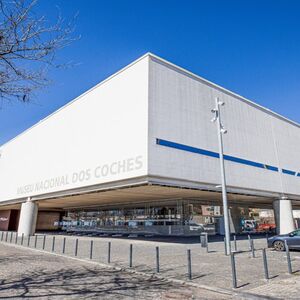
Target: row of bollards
(264, 259)
(203, 240)
(91, 248)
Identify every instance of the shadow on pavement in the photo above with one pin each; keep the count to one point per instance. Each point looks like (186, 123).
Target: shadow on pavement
(78, 283)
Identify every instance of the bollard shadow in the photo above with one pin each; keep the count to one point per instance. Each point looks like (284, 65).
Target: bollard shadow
(242, 285)
(200, 276)
(274, 276)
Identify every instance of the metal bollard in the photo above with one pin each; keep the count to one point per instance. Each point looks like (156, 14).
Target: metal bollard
(11, 236)
(265, 261)
(91, 249)
(76, 248)
(157, 259)
(64, 245)
(44, 241)
(249, 239)
(108, 254)
(22, 239)
(53, 243)
(235, 243)
(252, 249)
(288, 257)
(16, 240)
(225, 248)
(207, 250)
(6, 236)
(204, 241)
(2, 236)
(35, 241)
(233, 270)
(130, 256)
(28, 241)
(189, 264)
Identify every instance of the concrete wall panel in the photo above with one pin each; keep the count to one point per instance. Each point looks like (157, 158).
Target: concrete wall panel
(180, 111)
(100, 137)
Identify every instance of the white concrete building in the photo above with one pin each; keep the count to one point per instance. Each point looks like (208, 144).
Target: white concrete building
(145, 134)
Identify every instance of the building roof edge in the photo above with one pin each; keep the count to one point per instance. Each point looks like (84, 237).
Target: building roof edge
(222, 89)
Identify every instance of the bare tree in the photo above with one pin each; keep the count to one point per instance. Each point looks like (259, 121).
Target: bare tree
(28, 47)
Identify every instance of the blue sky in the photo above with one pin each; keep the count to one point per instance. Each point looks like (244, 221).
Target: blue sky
(250, 47)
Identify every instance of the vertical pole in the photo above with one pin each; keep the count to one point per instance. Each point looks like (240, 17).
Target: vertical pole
(44, 241)
(206, 238)
(189, 264)
(11, 235)
(223, 177)
(53, 243)
(233, 270)
(6, 236)
(91, 249)
(249, 240)
(252, 249)
(76, 247)
(225, 247)
(157, 259)
(28, 241)
(265, 261)
(64, 245)
(35, 241)
(288, 257)
(22, 239)
(16, 240)
(2, 236)
(108, 254)
(130, 256)
(235, 243)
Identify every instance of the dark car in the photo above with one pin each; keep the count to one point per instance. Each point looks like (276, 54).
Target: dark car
(278, 241)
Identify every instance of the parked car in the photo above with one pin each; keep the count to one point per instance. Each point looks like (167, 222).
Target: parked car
(278, 241)
(266, 227)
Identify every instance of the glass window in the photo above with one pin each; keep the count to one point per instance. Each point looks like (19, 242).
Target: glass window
(295, 233)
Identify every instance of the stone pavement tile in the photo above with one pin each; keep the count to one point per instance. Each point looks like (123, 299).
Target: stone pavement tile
(280, 289)
(29, 274)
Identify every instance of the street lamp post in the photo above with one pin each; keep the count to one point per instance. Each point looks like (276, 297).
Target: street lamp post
(222, 131)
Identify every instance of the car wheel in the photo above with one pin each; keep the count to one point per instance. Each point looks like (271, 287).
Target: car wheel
(278, 246)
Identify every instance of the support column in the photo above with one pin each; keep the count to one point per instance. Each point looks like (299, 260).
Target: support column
(283, 213)
(28, 216)
(235, 219)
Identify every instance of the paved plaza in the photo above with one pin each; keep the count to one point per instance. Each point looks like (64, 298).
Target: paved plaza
(30, 274)
(211, 270)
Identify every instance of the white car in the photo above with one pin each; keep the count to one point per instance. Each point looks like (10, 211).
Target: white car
(196, 227)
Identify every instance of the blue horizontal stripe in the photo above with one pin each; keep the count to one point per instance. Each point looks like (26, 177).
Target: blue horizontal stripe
(215, 154)
(271, 168)
(289, 172)
(186, 148)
